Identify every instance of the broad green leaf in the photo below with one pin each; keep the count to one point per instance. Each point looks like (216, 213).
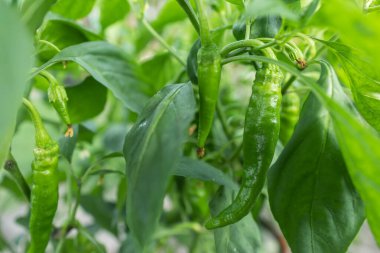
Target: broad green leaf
(111, 67)
(266, 26)
(152, 149)
(34, 11)
(361, 152)
(86, 100)
(73, 9)
(162, 68)
(363, 80)
(62, 33)
(191, 168)
(112, 11)
(324, 212)
(358, 29)
(15, 63)
(243, 236)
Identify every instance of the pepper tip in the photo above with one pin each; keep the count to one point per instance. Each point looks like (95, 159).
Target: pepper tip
(201, 152)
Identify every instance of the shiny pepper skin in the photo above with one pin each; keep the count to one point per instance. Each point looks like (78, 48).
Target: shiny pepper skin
(290, 111)
(261, 131)
(209, 71)
(44, 192)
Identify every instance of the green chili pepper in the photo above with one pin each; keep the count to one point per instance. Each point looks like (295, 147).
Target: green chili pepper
(261, 131)
(209, 71)
(290, 110)
(44, 195)
(58, 98)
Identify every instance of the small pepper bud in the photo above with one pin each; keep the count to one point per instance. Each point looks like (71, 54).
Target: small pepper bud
(58, 98)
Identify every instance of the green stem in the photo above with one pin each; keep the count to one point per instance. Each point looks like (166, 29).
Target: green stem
(286, 86)
(252, 43)
(186, 6)
(49, 77)
(51, 45)
(204, 28)
(247, 29)
(162, 41)
(11, 166)
(42, 137)
(223, 120)
(71, 218)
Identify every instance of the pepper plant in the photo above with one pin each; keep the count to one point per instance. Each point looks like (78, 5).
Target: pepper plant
(189, 126)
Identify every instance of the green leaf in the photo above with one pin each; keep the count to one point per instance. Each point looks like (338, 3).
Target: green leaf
(152, 149)
(358, 29)
(236, 2)
(363, 80)
(104, 213)
(161, 68)
(361, 152)
(16, 61)
(266, 26)
(112, 11)
(34, 11)
(86, 100)
(243, 236)
(62, 33)
(191, 168)
(111, 67)
(192, 62)
(73, 9)
(324, 212)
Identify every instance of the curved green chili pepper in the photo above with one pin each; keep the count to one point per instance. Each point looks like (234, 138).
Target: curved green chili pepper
(209, 72)
(261, 131)
(290, 110)
(44, 195)
(58, 98)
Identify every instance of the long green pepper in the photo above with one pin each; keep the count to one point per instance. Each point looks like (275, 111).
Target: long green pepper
(44, 193)
(209, 72)
(261, 132)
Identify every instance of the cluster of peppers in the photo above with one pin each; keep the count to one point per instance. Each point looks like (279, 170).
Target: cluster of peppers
(264, 112)
(261, 128)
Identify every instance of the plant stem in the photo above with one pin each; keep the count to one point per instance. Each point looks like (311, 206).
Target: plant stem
(71, 218)
(162, 41)
(252, 43)
(11, 166)
(287, 84)
(223, 120)
(186, 6)
(50, 45)
(204, 28)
